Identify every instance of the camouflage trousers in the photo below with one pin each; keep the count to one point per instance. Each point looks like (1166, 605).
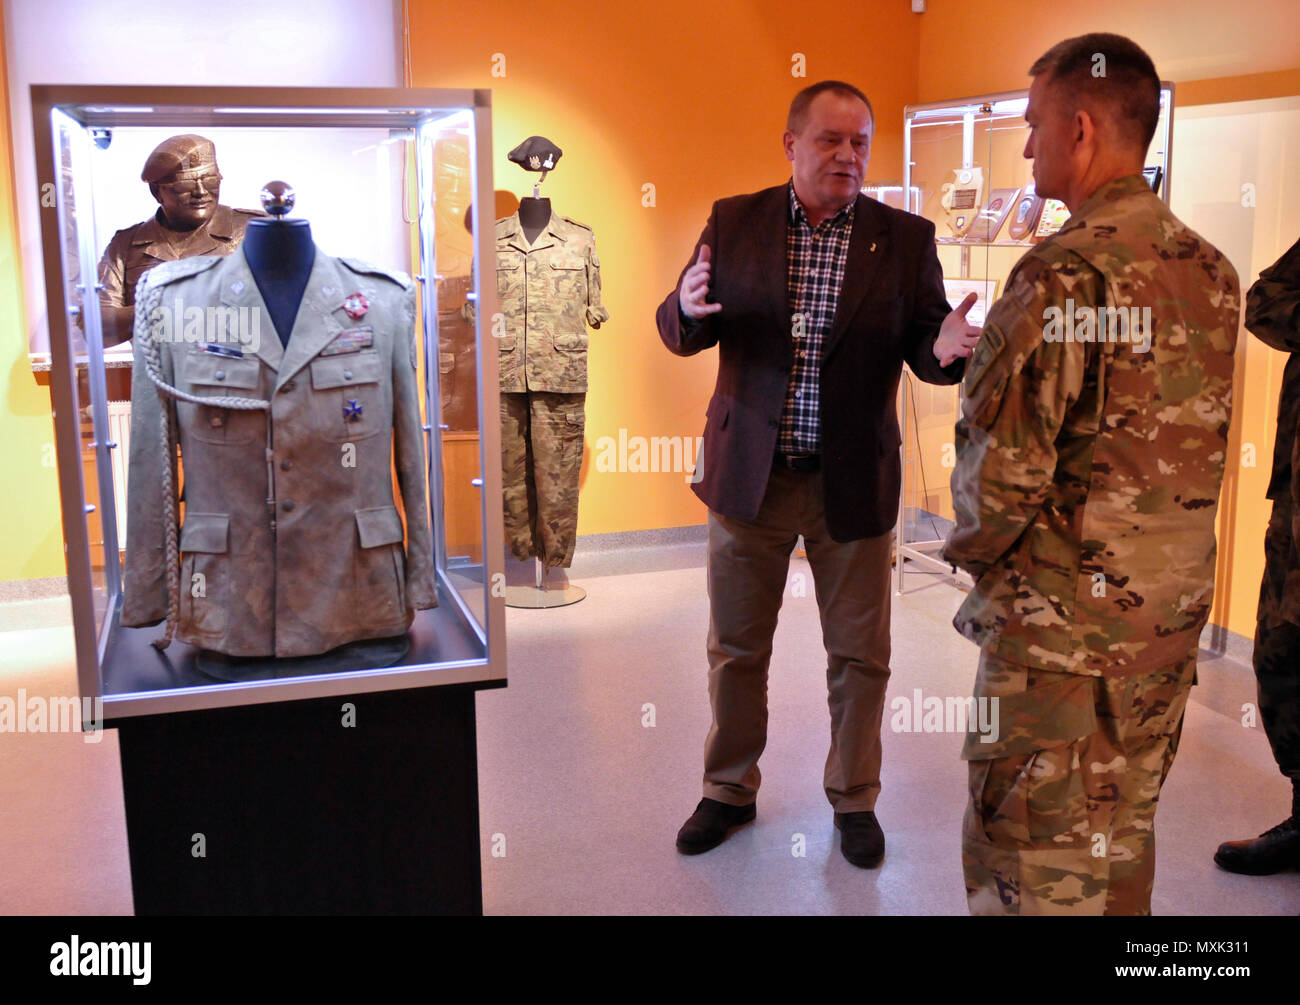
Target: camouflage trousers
(1277, 641)
(541, 458)
(1061, 817)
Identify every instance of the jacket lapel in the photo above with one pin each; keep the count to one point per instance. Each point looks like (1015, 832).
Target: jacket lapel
(867, 249)
(773, 266)
(315, 325)
(238, 289)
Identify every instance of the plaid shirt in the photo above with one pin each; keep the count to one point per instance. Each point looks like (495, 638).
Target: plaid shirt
(815, 260)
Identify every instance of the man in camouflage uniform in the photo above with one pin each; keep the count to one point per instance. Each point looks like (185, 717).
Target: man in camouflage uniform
(549, 291)
(183, 177)
(1273, 315)
(1090, 453)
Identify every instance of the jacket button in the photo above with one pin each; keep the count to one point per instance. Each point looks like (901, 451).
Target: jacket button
(220, 375)
(347, 374)
(288, 505)
(215, 420)
(286, 464)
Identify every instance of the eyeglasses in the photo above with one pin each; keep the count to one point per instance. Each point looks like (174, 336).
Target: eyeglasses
(191, 186)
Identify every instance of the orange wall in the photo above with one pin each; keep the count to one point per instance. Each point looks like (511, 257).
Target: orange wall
(979, 48)
(691, 98)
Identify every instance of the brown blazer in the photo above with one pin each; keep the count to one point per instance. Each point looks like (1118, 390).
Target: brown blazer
(890, 309)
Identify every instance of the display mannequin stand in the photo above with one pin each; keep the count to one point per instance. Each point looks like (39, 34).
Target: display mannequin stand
(546, 588)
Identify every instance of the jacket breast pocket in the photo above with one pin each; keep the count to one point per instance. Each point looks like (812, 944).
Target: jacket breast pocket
(207, 375)
(568, 277)
(510, 274)
(205, 575)
(380, 569)
(348, 399)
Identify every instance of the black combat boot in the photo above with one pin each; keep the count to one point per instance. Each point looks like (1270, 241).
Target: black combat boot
(1276, 849)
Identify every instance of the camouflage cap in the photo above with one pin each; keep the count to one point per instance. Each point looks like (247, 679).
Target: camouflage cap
(182, 156)
(536, 153)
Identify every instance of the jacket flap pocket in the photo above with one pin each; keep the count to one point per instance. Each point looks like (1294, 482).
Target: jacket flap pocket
(571, 343)
(508, 261)
(345, 371)
(506, 342)
(380, 525)
(208, 532)
(1053, 715)
(568, 263)
(207, 369)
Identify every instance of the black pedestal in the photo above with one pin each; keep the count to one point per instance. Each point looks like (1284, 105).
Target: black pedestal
(285, 809)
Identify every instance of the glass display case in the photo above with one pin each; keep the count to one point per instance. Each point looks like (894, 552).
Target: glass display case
(964, 167)
(396, 186)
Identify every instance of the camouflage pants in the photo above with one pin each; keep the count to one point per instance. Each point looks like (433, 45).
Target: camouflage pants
(1061, 817)
(541, 458)
(1277, 641)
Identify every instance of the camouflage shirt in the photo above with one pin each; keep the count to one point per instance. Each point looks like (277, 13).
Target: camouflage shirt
(1091, 444)
(549, 292)
(1273, 316)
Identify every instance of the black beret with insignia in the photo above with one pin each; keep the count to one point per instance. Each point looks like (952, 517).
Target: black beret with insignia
(536, 153)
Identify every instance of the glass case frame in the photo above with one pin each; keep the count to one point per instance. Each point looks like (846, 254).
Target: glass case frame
(965, 129)
(462, 641)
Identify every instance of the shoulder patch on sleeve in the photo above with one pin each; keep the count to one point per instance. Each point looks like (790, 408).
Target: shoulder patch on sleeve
(182, 268)
(363, 268)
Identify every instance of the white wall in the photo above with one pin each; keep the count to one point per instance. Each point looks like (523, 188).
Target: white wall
(323, 43)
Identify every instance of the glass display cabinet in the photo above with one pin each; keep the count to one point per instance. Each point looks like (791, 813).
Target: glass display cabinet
(964, 167)
(400, 178)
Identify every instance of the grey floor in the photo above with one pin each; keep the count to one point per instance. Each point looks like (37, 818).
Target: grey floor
(581, 796)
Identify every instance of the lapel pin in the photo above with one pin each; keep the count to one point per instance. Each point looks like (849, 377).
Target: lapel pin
(356, 305)
(352, 410)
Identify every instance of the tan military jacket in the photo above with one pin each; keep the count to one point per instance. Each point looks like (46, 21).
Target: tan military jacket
(292, 543)
(549, 293)
(135, 250)
(1088, 472)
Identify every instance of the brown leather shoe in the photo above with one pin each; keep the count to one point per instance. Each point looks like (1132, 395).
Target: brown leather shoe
(862, 841)
(1276, 849)
(710, 825)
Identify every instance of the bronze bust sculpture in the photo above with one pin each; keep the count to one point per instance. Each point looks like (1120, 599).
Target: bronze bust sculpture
(182, 175)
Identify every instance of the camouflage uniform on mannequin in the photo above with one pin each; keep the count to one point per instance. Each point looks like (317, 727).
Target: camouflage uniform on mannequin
(549, 288)
(1273, 316)
(1090, 454)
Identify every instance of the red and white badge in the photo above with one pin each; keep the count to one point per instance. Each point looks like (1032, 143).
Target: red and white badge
(356, 305)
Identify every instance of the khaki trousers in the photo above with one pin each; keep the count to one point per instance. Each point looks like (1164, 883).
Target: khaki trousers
(747, 567)
(1061, 817)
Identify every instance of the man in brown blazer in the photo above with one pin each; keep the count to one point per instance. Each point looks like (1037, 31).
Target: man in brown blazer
(815, 295)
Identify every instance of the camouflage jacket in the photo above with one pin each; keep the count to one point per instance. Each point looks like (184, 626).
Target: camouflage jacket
(1273, 316)
(549, 293)
(292, 543)
(135, 250)
(1089, 465)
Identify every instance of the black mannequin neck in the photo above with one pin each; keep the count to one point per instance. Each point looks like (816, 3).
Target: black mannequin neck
(280, 254)
(534, 215)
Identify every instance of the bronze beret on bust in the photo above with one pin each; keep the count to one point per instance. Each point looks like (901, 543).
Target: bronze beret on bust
(186, 154)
